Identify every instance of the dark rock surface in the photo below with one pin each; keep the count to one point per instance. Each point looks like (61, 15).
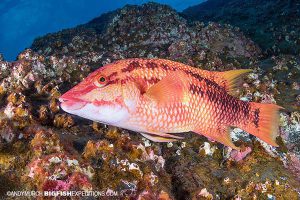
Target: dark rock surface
(273, 24)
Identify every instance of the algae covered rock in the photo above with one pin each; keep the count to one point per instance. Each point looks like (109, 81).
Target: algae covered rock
(273, 25)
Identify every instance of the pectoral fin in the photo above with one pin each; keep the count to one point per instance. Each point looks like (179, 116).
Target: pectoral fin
(221, 135)
(172, 88)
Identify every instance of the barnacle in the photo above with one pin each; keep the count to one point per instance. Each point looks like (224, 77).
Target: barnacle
(43, 114)
(63, 121)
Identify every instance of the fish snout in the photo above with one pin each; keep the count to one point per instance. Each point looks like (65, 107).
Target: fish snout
(66, 97)
(71, 95)
(69, 101)
(62, 99)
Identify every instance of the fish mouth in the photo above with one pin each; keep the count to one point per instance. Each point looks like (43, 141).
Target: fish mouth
(71, 103)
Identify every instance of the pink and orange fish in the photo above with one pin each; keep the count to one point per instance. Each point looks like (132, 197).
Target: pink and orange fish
(158, 97)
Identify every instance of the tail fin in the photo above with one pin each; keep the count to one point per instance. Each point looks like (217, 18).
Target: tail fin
(263, 123)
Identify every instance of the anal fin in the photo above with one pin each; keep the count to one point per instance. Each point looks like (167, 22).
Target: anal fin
(161, 137)
(221, 135)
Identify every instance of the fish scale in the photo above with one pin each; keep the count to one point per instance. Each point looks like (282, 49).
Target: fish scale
(159, 97)
(186, 123)
(188, 117)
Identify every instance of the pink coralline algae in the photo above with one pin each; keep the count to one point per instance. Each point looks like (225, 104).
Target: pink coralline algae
(294, 164)
(52, 169)
(240, 155)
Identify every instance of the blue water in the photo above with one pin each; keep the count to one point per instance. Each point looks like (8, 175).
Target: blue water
(23, 20)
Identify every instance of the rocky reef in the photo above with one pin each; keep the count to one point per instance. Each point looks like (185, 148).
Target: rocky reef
(274, 24)
(44, 149)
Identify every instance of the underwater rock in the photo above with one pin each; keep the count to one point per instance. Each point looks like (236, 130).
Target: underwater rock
(204, 193)
(273, 25)
(7, 133)
(44, 142)
(240, 155)
(52, 168)
(150, 30)
(59, 172)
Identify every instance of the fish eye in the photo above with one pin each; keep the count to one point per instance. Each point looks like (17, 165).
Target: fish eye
(102, 79)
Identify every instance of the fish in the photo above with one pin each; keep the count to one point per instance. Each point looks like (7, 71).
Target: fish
(159, 98)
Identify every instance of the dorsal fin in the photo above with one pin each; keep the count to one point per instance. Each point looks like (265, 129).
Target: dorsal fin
(172, 88)
(233, 79)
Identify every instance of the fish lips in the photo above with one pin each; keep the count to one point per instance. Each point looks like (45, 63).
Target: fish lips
(69, 103)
